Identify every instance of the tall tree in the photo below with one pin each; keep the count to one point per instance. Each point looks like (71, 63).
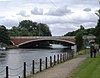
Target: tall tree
(97, 28)
(26, 24)
(73, 33)
(89, 31)
(24, 32)
(79, 40)
(43, 30)
(29, 28)
(4, 36)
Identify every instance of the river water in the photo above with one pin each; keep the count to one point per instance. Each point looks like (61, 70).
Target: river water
(14, 59)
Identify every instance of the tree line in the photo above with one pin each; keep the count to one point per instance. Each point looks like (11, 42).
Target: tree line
(4, 35)
(25, 28)
(29, 28)
(84, 32)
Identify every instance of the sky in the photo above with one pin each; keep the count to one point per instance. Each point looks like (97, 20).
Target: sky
(61, 16)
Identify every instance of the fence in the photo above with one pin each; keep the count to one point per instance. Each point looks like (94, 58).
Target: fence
(36, 66)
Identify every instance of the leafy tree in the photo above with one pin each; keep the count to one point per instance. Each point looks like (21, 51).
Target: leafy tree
(26, 24)
(90, 31)
(73, 33)
(29, 28)
(70, 33)
(4, 36)
(83, 30)
(97, 28)
(79, 40)
(43, 30)
(15, 31)
(81, 27)
(24, 32)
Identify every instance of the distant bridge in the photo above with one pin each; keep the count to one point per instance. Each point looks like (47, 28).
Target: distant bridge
(18, 41)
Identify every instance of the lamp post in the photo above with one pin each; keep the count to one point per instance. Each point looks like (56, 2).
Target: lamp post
(85, 37)
(39, 29)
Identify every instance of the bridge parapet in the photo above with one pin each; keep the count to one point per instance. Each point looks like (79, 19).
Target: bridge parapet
(43, 37)
(27, 39)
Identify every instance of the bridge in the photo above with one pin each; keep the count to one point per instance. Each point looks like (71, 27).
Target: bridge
(19, 41)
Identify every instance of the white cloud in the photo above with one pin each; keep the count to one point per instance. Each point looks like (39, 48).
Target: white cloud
(89, 25)
(59, 11)
(37, 11)
(61, 29)
(23, 13)
(9, 23)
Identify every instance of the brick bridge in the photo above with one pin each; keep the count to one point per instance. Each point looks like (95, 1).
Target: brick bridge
(18, 41)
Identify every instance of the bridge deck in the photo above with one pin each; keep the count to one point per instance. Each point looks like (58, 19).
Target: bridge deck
(27, 39)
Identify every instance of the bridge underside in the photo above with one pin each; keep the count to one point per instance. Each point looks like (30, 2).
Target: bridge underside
(43, 44)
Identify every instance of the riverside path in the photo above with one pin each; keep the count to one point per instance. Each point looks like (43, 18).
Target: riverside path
(62, 70)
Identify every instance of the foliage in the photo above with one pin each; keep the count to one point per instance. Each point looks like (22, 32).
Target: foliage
(79, 40)
(84, 31)
(26, 24)
(14, 31)
(97, 28)
(43, 30)
(29, 28)
(79, 36)
(4, 36)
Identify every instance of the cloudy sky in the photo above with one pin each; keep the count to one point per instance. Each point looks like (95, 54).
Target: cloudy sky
(60, 15)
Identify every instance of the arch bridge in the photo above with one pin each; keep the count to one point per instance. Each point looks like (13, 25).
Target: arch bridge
(19, 41)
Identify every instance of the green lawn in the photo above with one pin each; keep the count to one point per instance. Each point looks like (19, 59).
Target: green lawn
(90, 68)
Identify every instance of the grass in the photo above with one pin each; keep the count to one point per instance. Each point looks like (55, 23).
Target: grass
(82, 52)
(90, 68)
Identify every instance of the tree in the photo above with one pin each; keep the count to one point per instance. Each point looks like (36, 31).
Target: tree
(97, 28)
(88, 31)
(34, 28)
(29, 28)
(79, 40)
(81, 27)
(26, 24)
(4, 36)
(24, 32)
(43, 30)
(73, 33)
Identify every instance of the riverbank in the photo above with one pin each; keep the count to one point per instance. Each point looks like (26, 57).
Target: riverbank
(11, 47)
(90, 68)
(62, 70)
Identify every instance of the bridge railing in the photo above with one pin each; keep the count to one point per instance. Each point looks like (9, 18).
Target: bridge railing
(42, 37)
(12, 37)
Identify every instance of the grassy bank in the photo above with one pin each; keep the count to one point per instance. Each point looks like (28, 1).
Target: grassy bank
(90, 68)
(82, 52)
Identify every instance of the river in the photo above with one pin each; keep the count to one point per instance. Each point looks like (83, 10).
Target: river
(14, 58)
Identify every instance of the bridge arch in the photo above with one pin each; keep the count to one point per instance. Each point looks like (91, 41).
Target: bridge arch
(11, 43)
(65, 41)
